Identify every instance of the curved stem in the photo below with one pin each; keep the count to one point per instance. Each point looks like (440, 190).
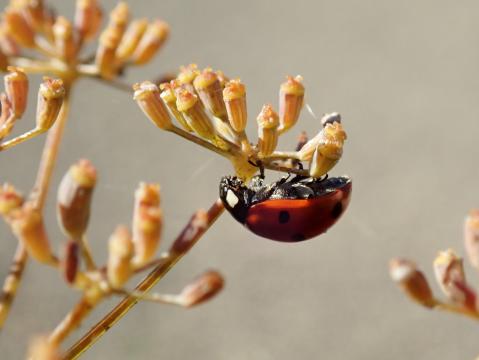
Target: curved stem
(188, 237)
(37, 197)
(21, 138)
(455, 309)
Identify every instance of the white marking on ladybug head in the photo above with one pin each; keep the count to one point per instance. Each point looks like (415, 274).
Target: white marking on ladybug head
(231, 198)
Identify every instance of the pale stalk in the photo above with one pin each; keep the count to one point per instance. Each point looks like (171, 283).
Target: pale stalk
(33, 66)
(37, 197)
(439, 305)
(87, 253)
(20, 139)
(144, 286)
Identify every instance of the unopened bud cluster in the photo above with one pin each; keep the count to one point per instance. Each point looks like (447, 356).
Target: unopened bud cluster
(449, 273)
(208, 108)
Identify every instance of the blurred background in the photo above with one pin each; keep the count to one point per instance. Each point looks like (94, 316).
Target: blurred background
(404, 76)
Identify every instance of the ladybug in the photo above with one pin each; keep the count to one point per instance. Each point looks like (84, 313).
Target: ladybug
(286, 210)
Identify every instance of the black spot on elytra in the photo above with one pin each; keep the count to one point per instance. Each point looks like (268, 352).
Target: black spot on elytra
(337, 210)
(283, 217)
(298, 237)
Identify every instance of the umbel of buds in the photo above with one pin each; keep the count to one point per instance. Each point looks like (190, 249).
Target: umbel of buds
(74, 198)
(412, 281)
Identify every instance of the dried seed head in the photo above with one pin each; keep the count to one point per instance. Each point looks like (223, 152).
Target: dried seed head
(74, 198)
(411, 281)
(291, 96)
(147, 96)
(119, 256)
(88, 16)
(234, 96)
(18, 28)
(64, 42)
(196, 117)
(268, 122)
(70, 261)
(10, 200)
(209, 89)
(50, 100)
(330, 119)
(471, 237)
(16, 87)
(131, 39)
(27, 225)
(105, 57)
(43, 349)
(119, 17)
(202, 289)
(155, 36)
(147, 222)
(331, 133)
(450, 276)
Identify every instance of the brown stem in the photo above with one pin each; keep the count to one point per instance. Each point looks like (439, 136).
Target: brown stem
(196, 227)
(37, 197)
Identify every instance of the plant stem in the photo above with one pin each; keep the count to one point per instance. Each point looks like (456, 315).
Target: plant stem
(37, 197)
(188, 237)
(21, 138)
(456, 309)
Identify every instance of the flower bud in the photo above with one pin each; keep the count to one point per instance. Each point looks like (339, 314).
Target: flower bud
(169, 97)
(105, 57)
(16, 87)
(34, 12)
(209, 89)
(471, 237)
(43, 349)
(147, 223)
(88, 16)
(187, 103)
(6, 120)
(119, 256)
(154, 37)
(330, 119)
(27, 225)
(202, 289)
(291, 96)
(325, 157)
(74, 198)
(222, 78)
(268, 122)
(50, 100)
(131, 39)
(187, 75)
(18, 27)
(64, 42)
(70, 261)
(147, 95)
(10, 200)
(331, 133)
(119, 17)
(8, 45)
(234, 96)
(411, 281)
(449, 272)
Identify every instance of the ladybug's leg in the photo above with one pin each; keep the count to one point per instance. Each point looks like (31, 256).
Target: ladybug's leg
(259, 165)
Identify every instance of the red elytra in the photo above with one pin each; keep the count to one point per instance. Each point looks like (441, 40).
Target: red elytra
(287, 211)
(292, 220)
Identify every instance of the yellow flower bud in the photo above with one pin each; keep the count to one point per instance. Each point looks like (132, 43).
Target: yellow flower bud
(16, 87)
(169, 97)
(147, 95)
(202, 289)
(131, 39)
(155, 36)
(88, 16)
(10, 200)
(17, 26)
(64, 42)
(120, 253)
(268, 122)
(291, 96)
(209, 89)
(234, 96)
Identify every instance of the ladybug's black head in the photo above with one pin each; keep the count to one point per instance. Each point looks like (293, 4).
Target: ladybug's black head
(235, 197)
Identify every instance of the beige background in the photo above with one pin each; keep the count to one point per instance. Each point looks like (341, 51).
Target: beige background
(404, 75)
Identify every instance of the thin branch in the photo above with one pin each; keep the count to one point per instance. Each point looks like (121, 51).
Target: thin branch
(188, 237)
(37, 197)
(439, 305)
(34, 66)
(21, 138)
